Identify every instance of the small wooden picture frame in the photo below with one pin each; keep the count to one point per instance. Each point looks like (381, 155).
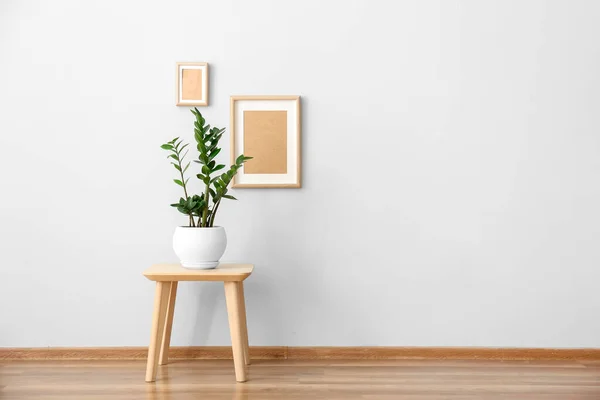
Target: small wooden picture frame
(192, 84)
(268, 129)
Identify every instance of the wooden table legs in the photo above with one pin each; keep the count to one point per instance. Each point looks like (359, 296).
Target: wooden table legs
(166, 340)
(236, 312)
(161, 299)
(243, 322)
(162, 323)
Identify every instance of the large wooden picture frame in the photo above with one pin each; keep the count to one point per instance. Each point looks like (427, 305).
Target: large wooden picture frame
(268, 129)
(192, 84)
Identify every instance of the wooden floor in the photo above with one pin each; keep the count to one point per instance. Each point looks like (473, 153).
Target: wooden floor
(287, 379)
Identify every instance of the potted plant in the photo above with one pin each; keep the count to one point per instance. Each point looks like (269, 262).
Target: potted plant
(200, 244)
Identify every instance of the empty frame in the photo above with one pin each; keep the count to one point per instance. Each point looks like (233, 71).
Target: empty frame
(192, 84)
(266, 128)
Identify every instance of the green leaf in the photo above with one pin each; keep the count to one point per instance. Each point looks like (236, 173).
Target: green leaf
(247, 158)
(173, 156)
(214, 153)
(204, 158)
(183, 147)
(186, 167)
(199, 116)
(218, 167)
(240, 159)
(226, 196)
(177, 167)
(205, 170)
(200, 176)
(166, 147)
(212, 193)
(182, 210)
(211, 164)
(217, 133)
(206, 180)
(177, 181)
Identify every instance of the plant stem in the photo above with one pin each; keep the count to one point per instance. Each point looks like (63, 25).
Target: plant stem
(192, 224)
(181, 174)
(214, 213)
(205, 211)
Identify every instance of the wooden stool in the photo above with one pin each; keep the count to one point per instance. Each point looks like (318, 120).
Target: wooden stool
(167, 276)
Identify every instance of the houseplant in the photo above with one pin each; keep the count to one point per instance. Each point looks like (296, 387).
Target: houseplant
(200, 244)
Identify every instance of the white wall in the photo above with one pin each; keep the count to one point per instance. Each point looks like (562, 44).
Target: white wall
(451, 157)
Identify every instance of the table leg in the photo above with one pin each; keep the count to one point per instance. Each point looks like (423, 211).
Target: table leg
(233, 311)
(166, 340)
(161, 297)
(243, 322)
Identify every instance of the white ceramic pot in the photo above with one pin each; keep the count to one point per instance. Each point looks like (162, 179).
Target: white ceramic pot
(199, 248)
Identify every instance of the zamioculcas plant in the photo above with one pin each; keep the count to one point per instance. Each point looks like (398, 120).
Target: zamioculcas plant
(201, 209)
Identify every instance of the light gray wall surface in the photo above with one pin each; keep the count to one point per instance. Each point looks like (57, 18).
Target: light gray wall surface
(450, 162)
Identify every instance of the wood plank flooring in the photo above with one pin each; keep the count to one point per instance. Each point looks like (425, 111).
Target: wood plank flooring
(290, 379)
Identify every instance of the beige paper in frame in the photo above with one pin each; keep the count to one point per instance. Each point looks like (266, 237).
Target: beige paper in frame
(262, 119)
(192, 84)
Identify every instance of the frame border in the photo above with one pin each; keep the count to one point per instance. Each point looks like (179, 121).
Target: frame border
(177, 82)
(296, 98)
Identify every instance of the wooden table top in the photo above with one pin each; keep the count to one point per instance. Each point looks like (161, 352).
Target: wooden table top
(225, 272)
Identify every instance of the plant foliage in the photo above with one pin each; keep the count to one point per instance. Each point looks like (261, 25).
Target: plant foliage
(202, 209)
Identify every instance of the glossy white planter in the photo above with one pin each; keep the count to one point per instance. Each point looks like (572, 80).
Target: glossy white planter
(199, 248)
